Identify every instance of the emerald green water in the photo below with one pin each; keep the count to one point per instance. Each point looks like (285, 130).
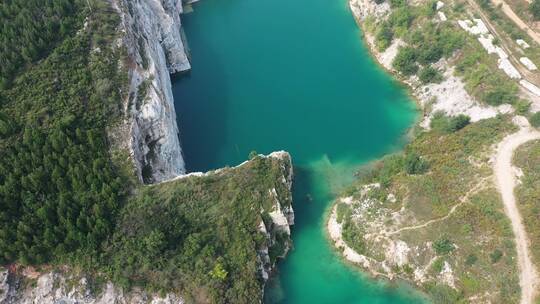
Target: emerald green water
(293, 75)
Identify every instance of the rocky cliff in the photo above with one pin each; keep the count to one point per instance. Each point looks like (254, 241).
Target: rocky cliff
(152, 35)
(67, 288)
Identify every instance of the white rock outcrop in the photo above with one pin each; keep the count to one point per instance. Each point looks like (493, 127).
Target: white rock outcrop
(522, 43)
(528, 63)
(281, 216)
(152, 35)
(55, 287)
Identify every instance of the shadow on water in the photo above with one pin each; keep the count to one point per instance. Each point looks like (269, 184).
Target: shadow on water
(202, 145)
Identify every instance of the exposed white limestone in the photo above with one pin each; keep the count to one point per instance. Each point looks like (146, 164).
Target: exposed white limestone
(450, 97)
(397, 252)
(55, 287)
(440, 5)
(442, 16)
(486, 39)
(362, 9)
(447, 275)
(531, 87)
(522, 43)
(153, 39)
(528, 63)
(509, 69)
(476, 28)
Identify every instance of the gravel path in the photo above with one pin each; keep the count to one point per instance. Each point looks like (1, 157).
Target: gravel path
(506, 181)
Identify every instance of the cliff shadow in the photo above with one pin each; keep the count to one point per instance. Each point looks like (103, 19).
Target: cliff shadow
(201, 102)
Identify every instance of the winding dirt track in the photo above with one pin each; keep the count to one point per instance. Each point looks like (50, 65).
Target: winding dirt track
(507, 10)
(506, 181)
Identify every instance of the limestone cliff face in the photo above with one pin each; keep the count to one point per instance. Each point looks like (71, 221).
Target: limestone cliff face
(67, 288)
(152, 35)
(278, 228)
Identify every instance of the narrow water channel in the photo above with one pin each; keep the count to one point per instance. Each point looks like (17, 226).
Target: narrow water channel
(293, 75)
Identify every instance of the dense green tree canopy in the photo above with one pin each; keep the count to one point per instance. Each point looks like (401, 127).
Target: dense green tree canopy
(58, 188)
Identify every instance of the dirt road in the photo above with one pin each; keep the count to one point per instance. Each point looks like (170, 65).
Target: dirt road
(506, 181)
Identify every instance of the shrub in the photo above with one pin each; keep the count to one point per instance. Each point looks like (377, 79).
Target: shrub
(405, 61)
(429, 75)
(429, 53)
(499, 96)
(401, 17)
(443, 294)
(397, 3)
(535, 120)
(354, 236)
(414, 164)
(534, 9)
(471, 259)
(458, 122)
(495, 256)
(443, 246)
(522, 106)
(384, 37)
(437, 266)
(342, 212)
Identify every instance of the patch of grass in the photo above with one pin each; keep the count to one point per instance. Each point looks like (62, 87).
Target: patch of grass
(527, 158)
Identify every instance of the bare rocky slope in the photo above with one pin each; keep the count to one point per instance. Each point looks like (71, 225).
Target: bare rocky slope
(152, 35)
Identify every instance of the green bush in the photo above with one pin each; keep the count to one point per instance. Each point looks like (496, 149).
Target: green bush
(442, 123)
(534, 9)
(443, 294)
(401, 17)
(443, 246)
(522, 106)
(414, 164)
(471, 259)
(437, 266)
(384, 37)
(495, 256)
(342, 212)
(429, 75)
(430, 53)
(500, 96)
(354, 236)
(398, 3)
(534, 119)
(405, 61)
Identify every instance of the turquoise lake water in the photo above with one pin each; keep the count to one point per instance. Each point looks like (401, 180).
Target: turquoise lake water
(293, 75)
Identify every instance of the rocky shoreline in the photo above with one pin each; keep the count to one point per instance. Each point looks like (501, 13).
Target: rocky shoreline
(448, 96)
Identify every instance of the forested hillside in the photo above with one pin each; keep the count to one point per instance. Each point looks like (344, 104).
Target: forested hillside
(59, 191)
(30, 29)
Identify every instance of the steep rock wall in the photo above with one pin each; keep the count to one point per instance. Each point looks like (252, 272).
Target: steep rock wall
(152, 35)
(56, 287)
